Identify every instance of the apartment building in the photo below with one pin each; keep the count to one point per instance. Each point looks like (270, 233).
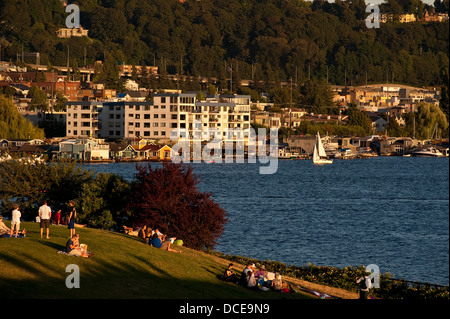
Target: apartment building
(180, 114)
(82, 118)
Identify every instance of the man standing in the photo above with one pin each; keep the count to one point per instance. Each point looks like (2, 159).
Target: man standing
(15, 221)
(45, 213)
(364, 286)
(72, 218)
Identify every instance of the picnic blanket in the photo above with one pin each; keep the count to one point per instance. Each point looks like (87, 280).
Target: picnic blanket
(13, 236)
(63, 252)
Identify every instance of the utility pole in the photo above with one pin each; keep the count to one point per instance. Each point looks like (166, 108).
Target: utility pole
(231, 82)
(290, 111)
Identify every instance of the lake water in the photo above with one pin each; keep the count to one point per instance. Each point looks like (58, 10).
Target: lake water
(388, 211)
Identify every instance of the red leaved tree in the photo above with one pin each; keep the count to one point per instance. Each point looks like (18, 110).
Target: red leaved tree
(167, 198)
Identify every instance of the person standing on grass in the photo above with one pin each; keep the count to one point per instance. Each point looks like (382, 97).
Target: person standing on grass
(364, 286)
(72, 218)
(45, 213)
(15, 221)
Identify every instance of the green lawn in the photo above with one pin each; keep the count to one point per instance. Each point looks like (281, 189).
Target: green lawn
(121, 267)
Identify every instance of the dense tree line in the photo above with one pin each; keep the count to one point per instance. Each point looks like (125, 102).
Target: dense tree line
(264, 40)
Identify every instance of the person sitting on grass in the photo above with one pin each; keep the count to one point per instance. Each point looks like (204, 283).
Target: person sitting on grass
(277, 283)
(261, 273)
(73, 247)
(139, 231)
(229, 275)
(158, 242)
(5, 231)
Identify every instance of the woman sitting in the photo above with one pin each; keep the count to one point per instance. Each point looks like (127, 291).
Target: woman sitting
(229, 274)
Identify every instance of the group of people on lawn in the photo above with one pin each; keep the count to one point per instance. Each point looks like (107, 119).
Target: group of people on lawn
(73, 246)
(44, 218)
(257, 280)
(153, 237)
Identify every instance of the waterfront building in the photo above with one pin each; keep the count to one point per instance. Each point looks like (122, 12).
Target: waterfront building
(84, 149)
(113, 119)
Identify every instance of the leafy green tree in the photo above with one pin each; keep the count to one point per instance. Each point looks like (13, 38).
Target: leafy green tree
(61, 101)
(358, 118)
(102, 202)
(39, 100)
(316, 93)
(429, 118)
(29, 185)
(13, 125)
(110, 73)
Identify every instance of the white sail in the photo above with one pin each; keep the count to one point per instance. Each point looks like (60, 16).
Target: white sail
(320, 147)
(319, 154)
(315, 153)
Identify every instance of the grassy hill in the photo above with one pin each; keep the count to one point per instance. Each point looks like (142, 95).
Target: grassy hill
(122, 267)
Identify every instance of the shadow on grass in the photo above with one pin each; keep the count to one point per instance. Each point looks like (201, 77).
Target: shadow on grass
(35, 271)
(121, 280)
(52, 245)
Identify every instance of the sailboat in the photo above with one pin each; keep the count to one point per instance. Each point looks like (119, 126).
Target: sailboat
(319, 155)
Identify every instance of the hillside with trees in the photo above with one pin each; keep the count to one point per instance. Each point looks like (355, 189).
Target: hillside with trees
(272, 43)
(264, 40)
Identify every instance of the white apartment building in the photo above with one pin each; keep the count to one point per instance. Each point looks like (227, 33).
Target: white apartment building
(157, 119)
(82, 119)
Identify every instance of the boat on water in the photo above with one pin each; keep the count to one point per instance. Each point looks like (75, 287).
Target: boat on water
(284, 153)
(427, 152)
(319, 154)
